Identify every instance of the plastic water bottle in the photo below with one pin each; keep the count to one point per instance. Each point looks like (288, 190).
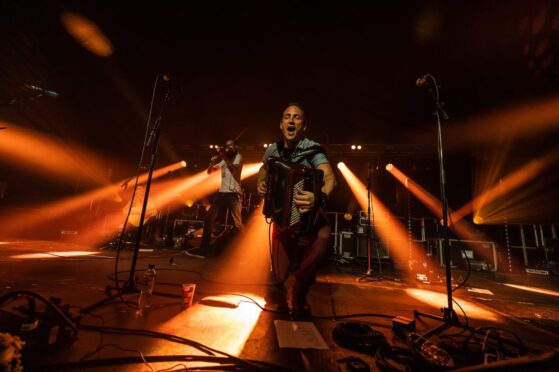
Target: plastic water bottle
(146, 293)
(432, 354)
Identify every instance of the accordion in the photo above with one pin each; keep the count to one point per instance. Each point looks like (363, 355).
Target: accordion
(283, 181)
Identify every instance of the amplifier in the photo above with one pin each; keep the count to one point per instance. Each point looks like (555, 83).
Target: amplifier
(347, 244)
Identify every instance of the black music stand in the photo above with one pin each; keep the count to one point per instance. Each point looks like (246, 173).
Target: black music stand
(129, 286)
(449, 317)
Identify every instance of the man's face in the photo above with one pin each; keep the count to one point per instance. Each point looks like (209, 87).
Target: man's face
(230, 147)
(292, 124)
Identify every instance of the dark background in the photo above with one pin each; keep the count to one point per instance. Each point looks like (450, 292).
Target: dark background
(353, 65)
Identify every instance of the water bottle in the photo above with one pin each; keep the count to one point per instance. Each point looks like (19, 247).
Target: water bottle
(146, 293)
(432, 354)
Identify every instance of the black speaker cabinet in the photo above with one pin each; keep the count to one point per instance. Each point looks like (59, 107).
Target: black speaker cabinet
(347, 244)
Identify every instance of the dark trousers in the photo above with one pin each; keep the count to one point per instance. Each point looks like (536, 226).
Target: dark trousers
(309, 250)
(228, 200)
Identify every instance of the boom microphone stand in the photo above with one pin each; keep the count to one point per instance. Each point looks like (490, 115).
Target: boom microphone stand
(129, 286)
(449, 317)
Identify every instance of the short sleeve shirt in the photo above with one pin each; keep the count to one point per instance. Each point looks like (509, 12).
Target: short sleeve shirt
(303, 153)
(228, 181)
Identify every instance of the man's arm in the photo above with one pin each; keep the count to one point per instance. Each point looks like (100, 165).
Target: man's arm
(329, 178)
(213, 162)
(234, 167)
(306, 200)
(261, 183)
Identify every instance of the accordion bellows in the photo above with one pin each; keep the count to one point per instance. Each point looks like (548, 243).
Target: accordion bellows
(283, 181)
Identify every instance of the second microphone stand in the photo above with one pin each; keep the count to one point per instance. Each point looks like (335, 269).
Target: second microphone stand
(370, 273)
(449, 317)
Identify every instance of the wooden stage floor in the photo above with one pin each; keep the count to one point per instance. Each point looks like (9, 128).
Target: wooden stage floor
(234, 324)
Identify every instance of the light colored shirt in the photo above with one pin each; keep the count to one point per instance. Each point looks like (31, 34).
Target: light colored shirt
(302, 153)
(228, 181)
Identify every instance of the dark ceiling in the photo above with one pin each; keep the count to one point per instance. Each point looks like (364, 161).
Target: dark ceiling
(352, 64)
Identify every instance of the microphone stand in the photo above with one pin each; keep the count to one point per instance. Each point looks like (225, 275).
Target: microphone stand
(129, 286)
(449, 317)
(370, 273)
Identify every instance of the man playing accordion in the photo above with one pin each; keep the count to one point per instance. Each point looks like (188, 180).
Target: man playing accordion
(286, 245)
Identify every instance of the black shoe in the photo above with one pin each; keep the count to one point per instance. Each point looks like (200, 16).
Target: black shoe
(300, 309)
(196, 252)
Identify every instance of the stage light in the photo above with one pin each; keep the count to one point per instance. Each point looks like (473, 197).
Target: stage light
(183, 164)
(358, 147)
(87, 33)
(54, 254)
(353, 147)
(478, 220)
(461, 228)
(60, 160)
(189, 203)
(348, 216)
(534, 289)
(392, 233)
(211, 146)
(489, 201)
(389, 167)
(439, 300)
(265, 145)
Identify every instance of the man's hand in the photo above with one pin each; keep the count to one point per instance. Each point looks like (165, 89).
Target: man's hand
(261, 188)
(304, 200)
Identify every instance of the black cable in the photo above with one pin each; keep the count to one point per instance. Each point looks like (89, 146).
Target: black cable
(165, 336)
(15, 294)
(226, 363)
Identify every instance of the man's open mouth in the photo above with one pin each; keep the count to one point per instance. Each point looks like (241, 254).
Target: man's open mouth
(291, 128)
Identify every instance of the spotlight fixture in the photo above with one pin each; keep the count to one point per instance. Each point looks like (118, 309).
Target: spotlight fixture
(341, 165)
(358, 147)
(211, 146)
(265, 145)
(183, 164)
(348, 216)
(353, 147)
(389, 167)
(478, 220)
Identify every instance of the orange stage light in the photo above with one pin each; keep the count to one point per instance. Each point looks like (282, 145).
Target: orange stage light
(518, 121)
(54, 254)
(507, 184)
(49, 156)
(248, 259)
(533, 289)
(222, 328)
(43, 216)
(392, 233)
(491, 201)
(171, 194)
(87, 33)
(460, 227)
(440, 300)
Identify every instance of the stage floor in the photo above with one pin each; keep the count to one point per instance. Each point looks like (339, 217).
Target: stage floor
(236, 325)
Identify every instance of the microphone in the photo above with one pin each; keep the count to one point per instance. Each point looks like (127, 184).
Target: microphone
(421, 81)
(50, 93)
(172, 85)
